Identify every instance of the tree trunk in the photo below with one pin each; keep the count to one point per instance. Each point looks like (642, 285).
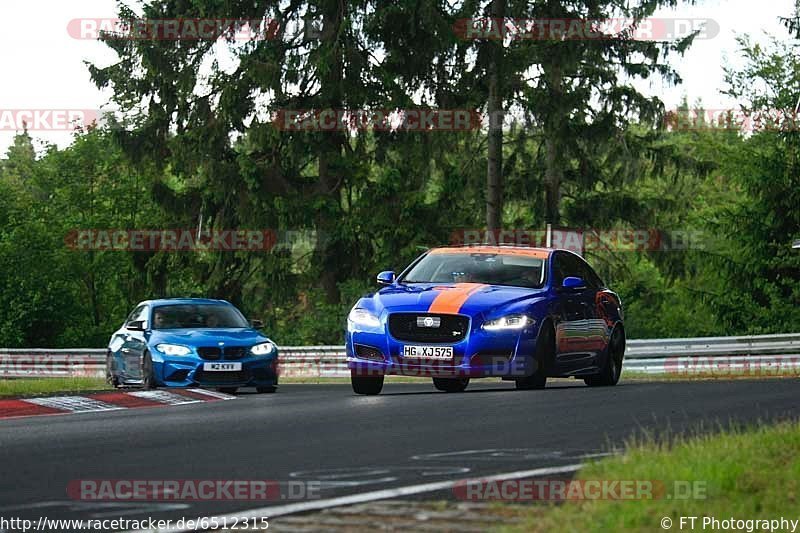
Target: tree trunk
(552, 182)
(554, 170)
(494, 170)
(325, 248)
(330, 154)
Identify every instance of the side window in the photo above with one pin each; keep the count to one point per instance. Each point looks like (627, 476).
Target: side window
(558, 269)
(592, 279)
(588, 275)
(572, 266)
(140, 313)
(566, 265)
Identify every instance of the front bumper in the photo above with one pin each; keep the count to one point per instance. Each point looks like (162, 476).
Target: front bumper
(189, 371)
(479, 354)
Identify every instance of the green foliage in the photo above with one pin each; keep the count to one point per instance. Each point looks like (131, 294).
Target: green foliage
(740, 472)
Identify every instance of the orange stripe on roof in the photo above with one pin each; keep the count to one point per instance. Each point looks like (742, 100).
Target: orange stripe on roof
(541, 253)
(451, 299)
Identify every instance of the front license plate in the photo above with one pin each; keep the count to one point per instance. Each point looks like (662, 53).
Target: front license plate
(222, 367)
(428, 352)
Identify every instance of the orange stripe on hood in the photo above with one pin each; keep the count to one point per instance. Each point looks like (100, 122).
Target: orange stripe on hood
(451, 299)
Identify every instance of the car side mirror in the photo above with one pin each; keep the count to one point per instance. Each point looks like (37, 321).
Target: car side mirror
(573, 283)
(136, 325)
(256, 323)
(386, 277)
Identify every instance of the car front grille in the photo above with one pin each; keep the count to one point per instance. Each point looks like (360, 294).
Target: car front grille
(215, 353)
(210, 354)
(405, 327)
(235, 352)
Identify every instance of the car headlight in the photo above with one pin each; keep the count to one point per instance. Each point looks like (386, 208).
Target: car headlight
(508, 322)
(265, 348)
(173, 349)
(362, 317)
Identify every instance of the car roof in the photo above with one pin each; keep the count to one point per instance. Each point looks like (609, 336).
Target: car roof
(541, 253)
(178, 301)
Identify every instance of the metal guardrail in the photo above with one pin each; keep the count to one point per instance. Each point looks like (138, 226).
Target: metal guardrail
(756, 354)
(34, 362)
(713, 346)
(751, 355)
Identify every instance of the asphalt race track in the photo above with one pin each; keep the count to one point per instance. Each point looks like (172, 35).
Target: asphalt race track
(408, 435)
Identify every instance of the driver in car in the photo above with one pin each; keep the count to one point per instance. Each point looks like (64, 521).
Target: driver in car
(159, 320)
(212, 321)
(463, 277)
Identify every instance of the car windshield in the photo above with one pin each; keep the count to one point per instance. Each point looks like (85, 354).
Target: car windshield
(192, 316)
(489, 268)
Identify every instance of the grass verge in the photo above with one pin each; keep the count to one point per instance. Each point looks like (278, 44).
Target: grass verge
(318, 380)
(744, 474)
(626, 376)
(40, 386)
(629, 375)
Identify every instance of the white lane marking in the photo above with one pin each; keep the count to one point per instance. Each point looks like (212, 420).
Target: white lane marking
(74, 404)
(94, 508)
(301, 507)
(214, 394)
(25, 506)
(490, 454)
(333, 478)
(164, 397)
(594, 455)
(110, 510)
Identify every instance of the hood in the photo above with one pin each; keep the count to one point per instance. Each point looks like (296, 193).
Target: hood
(209, 337)
(471, 299)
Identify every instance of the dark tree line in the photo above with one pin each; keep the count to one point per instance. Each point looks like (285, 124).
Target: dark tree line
(198, 147)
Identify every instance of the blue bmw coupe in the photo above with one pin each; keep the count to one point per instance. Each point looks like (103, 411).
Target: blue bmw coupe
(191, 342)
(522, 314)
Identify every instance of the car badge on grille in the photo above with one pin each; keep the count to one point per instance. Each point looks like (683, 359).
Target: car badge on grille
(221, 343)
(428, 321)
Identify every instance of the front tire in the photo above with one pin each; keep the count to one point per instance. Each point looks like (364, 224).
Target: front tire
(148, 375)
(369, 386)
(111, 378)
(545, 353)
(265, 390)
(451, 384)
(612, 368)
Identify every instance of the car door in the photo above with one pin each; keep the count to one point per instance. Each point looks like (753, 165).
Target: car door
(134, 344)
(571, 313)
(605, 312)
(593, 300)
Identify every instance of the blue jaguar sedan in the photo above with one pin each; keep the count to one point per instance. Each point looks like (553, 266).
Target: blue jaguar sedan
(191, 342)
(456, 313)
